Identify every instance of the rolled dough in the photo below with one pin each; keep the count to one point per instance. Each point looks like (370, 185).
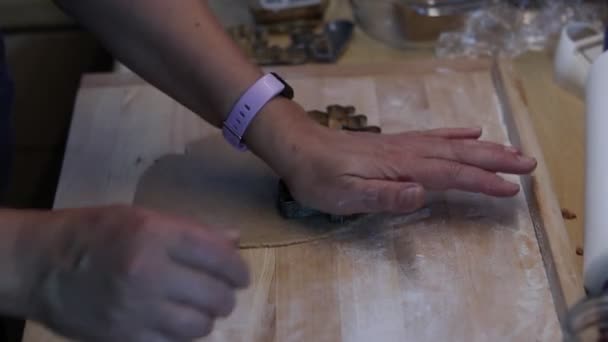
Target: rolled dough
(218, 186)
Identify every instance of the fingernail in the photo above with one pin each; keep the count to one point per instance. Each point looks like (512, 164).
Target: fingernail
(513, 188)
(526, 159)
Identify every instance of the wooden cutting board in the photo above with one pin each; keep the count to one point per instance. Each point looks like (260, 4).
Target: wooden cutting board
(467, 268)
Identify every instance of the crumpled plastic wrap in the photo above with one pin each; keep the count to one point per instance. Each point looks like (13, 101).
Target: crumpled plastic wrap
(504, 28)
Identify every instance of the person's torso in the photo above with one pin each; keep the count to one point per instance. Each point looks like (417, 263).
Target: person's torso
(6, 100)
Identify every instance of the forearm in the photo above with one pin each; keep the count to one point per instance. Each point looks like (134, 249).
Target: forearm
(178, 46)
(19, 261)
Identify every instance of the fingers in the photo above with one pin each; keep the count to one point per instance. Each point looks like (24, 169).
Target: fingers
(451, 133)
(201, 291)
(373, 196)
(461, 144)
(230, 237)
(182, 323)
(486, 155)
(174, 322)
(207, 252)
(436, 174)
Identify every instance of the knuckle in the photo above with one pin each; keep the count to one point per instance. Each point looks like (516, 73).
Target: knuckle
(140, 253)
(455, 170)
(140, 272)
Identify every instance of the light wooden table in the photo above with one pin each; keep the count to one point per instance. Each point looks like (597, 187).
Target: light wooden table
(559, 120)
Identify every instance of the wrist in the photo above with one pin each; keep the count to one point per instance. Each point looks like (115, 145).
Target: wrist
(249, 106)
(278, 133)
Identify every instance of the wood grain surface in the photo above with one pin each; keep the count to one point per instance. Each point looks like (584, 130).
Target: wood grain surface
(468, 268)
(559, 121)
(555, 243)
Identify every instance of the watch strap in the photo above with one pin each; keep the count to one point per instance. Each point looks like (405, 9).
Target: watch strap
(250, 104)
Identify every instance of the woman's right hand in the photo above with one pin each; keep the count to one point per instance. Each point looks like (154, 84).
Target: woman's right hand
(128, 274)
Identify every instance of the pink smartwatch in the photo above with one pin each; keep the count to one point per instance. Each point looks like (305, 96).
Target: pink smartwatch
(250, 104)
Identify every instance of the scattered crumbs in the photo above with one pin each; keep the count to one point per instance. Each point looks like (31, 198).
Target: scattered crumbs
(568, 215)
(138, 161)
(580, 251)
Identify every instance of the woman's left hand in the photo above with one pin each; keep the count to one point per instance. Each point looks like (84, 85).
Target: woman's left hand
(342, 172)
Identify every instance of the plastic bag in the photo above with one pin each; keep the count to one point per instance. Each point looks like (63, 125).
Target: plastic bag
(510, 28)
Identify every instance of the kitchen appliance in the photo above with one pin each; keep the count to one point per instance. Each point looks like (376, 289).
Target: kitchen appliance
(596, 203)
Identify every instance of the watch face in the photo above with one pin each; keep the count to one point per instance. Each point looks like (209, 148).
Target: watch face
(288, 91)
